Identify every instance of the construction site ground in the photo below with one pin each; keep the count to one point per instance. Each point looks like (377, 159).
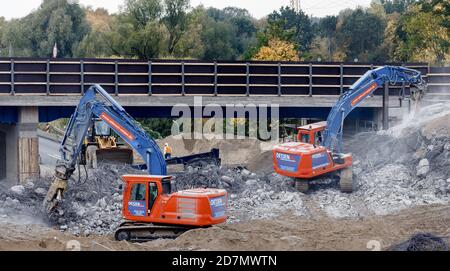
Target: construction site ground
(288, 232)
(403, 188)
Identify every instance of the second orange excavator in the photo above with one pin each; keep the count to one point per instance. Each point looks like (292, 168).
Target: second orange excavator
(318, 150)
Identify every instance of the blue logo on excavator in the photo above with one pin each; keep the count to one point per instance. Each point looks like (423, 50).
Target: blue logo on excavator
(288, 162)
(218, 206)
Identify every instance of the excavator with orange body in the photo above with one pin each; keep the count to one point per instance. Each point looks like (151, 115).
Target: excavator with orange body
(150, 208)
(318, 150)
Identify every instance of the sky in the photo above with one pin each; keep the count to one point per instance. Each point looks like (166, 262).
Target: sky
(258, 8)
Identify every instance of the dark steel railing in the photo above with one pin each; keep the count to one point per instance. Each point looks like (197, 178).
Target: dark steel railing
(22, 76)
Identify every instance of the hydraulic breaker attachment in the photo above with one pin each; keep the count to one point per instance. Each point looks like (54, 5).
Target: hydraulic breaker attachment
(54, 194)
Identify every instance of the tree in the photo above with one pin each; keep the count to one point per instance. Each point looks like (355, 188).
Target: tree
(286, 24)
(95, 44)
(422, 36)
(191, 44)
(144, 43)
(55, 21)
(3, 45)
(396, 6)
(277, 50)
(140, 12)
(225, 33)
(175, 20)
(327, 28)
(137, 31)
(361, 33)
(218, 39)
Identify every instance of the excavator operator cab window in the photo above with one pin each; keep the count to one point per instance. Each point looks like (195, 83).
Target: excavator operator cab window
(102, 129)
(304, 138)
(318, 138)
(152, 195)
(166, 186)
(138, 192)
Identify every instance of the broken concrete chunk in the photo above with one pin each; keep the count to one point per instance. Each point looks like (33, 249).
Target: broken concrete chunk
(423, 168)
(29, 185)
(18, 189)
(40, 191)
(227, 179)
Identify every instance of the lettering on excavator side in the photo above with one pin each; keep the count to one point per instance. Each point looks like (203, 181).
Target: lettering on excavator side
(116, 126)
(364, 94)
(137, 208)
(218, 206)
(320, 160)
(288, 162)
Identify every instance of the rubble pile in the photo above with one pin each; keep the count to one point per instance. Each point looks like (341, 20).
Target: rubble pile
(92, 203)
(251, 196)
(405, 166)
(22, 203)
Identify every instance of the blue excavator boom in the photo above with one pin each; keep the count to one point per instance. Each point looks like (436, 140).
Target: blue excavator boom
(96, 102)
(359, 91)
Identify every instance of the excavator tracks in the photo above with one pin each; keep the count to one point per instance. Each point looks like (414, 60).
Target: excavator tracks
(142, 232)
(347, 184)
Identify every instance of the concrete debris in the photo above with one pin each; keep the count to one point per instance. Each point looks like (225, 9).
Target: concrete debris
(18, 189)
(40, 191)
(29, 185)
(423, 167)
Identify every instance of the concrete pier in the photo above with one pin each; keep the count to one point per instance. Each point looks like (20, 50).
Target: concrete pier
(19, 147)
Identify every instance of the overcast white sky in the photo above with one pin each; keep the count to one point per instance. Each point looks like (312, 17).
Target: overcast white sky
(258, 8)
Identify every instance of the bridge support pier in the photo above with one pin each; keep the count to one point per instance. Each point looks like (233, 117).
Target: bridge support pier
(8, 153)
(19, 147)
(28, 143)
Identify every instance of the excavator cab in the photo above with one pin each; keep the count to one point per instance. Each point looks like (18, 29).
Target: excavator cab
(149, 199)
(312, 133)
(307, 159)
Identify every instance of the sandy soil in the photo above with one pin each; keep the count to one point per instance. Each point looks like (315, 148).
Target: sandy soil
(289, 232)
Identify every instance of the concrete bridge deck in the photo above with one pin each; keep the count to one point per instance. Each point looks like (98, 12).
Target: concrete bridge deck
(169, 101)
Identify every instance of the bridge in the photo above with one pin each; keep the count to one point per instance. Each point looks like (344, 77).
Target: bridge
(41, 90)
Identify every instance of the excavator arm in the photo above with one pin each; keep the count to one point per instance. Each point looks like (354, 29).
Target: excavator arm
(362, 89)
(96, 102)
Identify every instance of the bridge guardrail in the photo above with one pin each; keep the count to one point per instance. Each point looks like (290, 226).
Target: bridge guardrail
(24, 76)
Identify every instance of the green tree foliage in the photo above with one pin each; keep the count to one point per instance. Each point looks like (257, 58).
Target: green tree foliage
(95, 44)
(327, 29)
(227, 33)
(157, 127)
(55, 21)
(175, 20)
(137, 32)
(389, 30)
(396, 6)
(360, 34)
(140, 12)
(422, 36)
(288, 25)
